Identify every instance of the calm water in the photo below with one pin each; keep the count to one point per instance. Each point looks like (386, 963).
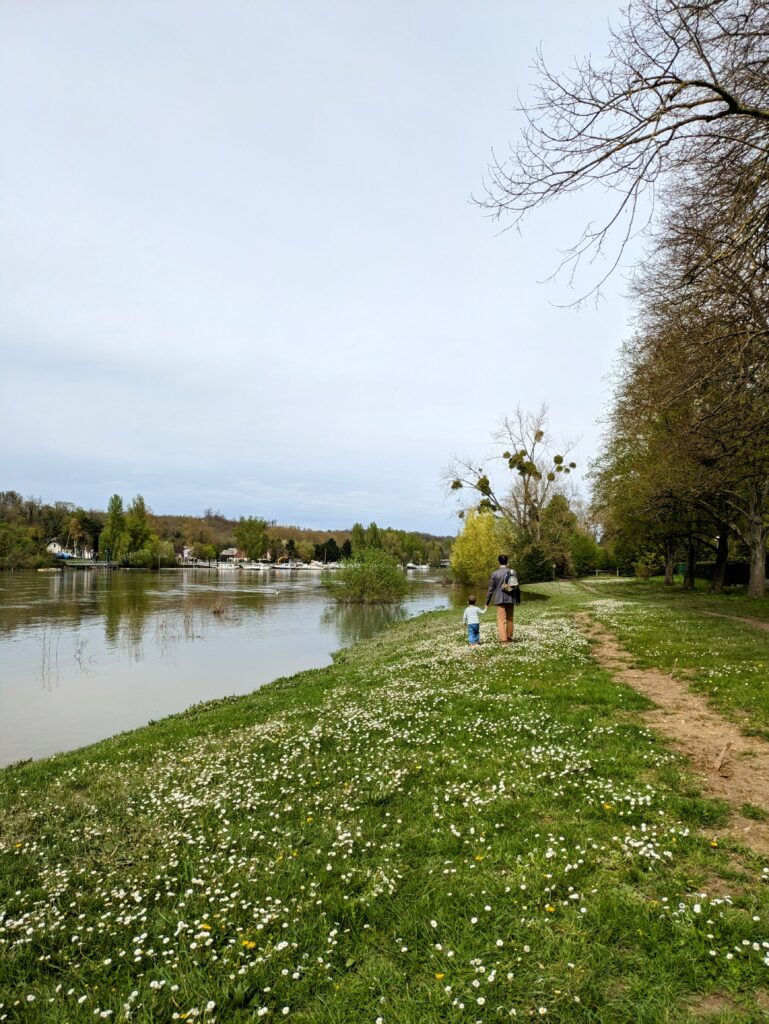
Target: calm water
(86, 654)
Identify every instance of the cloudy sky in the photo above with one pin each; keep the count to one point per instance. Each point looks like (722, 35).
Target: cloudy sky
(239, 265)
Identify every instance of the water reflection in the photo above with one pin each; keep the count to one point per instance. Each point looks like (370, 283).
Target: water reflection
(353, 623)
(125, 610)
(81, 655)
(49, 657)
(89, 653)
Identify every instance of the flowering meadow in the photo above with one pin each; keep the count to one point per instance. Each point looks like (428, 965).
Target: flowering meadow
(419, 833)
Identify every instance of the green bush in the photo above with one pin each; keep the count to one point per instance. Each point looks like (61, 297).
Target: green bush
(586, 555)
(532, 563)
(648, 565)
(373, 577)
(141, 559)
(155, 555)
(19, 549)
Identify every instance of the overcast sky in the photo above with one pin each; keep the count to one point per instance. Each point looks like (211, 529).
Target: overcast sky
(239, 267)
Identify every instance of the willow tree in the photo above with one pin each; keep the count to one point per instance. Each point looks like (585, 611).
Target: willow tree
(474, 552)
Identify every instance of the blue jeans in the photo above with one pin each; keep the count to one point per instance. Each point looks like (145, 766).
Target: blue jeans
(474, 632)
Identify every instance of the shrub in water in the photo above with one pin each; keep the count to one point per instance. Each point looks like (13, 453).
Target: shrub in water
(373, 577)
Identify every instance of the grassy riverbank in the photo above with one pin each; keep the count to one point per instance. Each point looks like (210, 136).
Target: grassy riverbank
(415, 834)
(695, 635)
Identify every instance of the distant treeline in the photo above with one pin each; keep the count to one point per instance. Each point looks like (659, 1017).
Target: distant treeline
(132, 535)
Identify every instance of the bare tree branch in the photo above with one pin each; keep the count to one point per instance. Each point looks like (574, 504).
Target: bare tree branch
(685, 84)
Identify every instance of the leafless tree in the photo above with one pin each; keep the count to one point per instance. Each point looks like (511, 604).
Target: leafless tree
(685, 89)
(524, 447)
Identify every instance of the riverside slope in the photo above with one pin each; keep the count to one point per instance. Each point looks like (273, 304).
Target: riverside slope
(418, 833)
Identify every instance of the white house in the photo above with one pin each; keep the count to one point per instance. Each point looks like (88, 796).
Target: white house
(53, 547)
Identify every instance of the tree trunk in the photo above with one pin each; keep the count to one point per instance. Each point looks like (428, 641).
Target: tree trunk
(757, 540)
(669, 564)
(691, 564)
(722, 554)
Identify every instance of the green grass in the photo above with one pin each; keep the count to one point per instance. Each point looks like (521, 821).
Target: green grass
(726, 660)
(418, 833)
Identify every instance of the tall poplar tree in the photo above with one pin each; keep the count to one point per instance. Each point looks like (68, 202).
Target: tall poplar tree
(112, 545)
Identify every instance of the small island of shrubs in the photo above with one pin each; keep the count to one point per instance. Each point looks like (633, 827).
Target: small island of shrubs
(371, 577)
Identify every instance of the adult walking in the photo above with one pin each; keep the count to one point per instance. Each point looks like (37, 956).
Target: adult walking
(505, 593)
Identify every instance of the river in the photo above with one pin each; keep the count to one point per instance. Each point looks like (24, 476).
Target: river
(87, 654)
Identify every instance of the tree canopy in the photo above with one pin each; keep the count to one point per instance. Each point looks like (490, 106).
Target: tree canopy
(251, 536)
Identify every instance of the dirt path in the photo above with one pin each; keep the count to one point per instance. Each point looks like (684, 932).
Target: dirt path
(730, 766)
(758, 623)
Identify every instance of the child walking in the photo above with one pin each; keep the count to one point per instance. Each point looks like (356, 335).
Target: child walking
(471, 619)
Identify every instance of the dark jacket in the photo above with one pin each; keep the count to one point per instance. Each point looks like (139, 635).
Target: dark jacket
(495, 594)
